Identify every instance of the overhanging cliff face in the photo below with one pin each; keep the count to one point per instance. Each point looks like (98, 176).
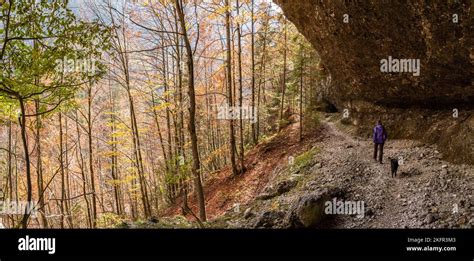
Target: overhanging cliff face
(378, 29)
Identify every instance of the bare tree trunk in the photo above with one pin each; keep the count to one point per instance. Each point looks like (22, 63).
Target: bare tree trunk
(22, 121)
(138, 157)
(61, 166)
(91, 155)
(252, 55)
(241, 95)
(261, 81)
(301, 93)
(283, 82)
(67, 188)
(80, 160)
(113, 157)
(232, 145)
(10, 164)
(196, 169)
(39, 167)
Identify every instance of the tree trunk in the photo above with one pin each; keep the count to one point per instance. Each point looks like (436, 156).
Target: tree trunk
(22, 121)
(283, 82)
(301, 93)
(241, 95)
(196, 169)
(252, 56)
(80, 160)
(61, 166)
(232, 145)
(10, 164)
(39, 168)
(91, 155)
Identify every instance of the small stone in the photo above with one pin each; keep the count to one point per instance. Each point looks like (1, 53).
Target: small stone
(429, 219)
(318, 165)
(471, 222)
(462, 220)
(369, 212)
(153, 220)
(444, 166)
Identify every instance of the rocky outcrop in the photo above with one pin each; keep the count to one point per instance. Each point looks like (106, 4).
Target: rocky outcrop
(280, 188)
(427, 192)
(413, 106)
(309, 210)
(352, 52)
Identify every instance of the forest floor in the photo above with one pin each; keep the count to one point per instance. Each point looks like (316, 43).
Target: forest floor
(223, 191)
(428, 191)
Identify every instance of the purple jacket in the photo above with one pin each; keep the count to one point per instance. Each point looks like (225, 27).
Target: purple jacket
(380, 135)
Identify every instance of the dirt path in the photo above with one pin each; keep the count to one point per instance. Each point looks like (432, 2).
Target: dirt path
(379, 179)
(426, 192)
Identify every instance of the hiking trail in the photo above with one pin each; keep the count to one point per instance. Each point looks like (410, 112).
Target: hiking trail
(427, 192)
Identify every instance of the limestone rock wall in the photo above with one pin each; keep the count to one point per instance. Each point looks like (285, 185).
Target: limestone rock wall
(377, 29)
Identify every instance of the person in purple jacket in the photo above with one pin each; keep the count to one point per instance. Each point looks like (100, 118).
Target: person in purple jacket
(380, 135)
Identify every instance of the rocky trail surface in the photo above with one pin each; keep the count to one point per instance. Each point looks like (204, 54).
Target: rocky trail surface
(427, 192)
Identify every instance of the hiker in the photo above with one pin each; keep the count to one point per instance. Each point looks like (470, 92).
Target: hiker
(380, 135)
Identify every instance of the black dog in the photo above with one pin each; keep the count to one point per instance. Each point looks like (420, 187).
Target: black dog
(394, 166)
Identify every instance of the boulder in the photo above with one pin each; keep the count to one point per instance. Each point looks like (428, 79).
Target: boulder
(278, 189)
(308, 210)
(269, 219)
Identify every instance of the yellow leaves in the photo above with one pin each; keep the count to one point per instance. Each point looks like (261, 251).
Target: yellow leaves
(110, 153)
(130, 178)
(119, 134)
(275, 205)
(161, 106)
(214, 154)
(115, 182)
(108, 220)
(218, 13)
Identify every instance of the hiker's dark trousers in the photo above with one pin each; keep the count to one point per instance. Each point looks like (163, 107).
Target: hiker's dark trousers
(376, 146)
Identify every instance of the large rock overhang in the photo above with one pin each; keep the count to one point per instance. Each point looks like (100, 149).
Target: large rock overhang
(378, 29)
